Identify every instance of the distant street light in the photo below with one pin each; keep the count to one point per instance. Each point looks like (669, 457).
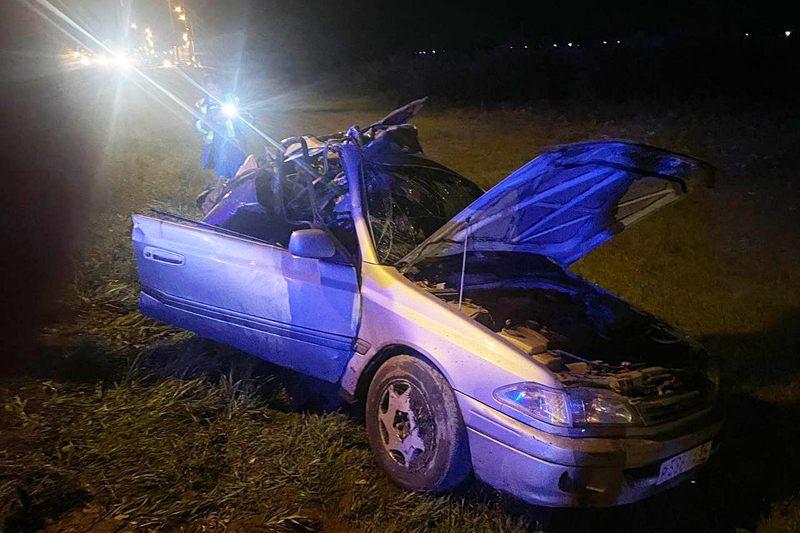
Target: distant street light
(787, 33)
(187, 35)
(134, 26)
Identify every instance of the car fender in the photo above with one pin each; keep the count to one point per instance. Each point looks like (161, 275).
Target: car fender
(473, 359)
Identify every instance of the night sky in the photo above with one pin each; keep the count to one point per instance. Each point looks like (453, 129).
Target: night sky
(412, 24)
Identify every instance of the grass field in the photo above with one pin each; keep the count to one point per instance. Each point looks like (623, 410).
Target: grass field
(122, 423)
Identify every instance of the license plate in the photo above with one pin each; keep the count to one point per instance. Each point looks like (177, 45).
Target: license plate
(684, 462)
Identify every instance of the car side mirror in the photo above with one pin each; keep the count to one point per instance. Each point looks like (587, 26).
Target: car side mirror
(311, 243)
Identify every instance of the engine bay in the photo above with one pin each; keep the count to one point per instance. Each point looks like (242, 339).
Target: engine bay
(587, 337)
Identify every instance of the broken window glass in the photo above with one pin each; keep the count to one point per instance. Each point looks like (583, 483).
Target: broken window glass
(407, 203)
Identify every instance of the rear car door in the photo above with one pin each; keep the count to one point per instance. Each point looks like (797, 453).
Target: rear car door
(296, 312)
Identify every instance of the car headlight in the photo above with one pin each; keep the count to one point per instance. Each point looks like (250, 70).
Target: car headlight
(590, 407)
(539, 402)
(573, 408)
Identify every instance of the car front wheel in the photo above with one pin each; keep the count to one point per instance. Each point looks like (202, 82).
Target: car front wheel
(415, 428)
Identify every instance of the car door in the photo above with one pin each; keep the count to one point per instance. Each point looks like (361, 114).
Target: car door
(296, 312)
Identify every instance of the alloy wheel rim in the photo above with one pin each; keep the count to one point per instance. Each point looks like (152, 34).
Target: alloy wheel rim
(403, 414)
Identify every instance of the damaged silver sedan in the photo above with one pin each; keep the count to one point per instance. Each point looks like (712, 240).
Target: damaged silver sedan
(449, 313)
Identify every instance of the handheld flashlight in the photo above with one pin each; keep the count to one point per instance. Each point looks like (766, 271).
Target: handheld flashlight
(229, 110)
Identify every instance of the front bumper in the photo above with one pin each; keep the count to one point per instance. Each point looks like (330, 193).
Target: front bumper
(557, 471)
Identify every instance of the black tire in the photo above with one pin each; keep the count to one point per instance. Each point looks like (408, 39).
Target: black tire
(425, 447)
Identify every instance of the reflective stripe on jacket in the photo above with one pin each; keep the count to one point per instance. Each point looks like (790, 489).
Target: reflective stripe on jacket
(204, 124)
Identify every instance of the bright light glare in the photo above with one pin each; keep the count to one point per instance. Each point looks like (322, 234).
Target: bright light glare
(177, 9)
(134, 26)
(122, 61)
(102, 60)
(85, 61)
(229, 110)
(76, 55)
(181, 17)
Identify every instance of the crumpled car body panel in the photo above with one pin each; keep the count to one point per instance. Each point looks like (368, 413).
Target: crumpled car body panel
(566, 202)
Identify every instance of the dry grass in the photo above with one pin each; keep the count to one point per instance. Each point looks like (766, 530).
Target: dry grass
(208, 456)
(131, 424)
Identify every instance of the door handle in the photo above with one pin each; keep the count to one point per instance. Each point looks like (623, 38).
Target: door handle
(163, 256)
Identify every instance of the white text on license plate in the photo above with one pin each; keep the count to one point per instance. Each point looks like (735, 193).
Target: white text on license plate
(684, 462)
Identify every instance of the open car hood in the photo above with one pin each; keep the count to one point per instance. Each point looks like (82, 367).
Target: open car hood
(567, 201)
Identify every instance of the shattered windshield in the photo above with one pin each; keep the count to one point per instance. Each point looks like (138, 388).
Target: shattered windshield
(407, 203)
